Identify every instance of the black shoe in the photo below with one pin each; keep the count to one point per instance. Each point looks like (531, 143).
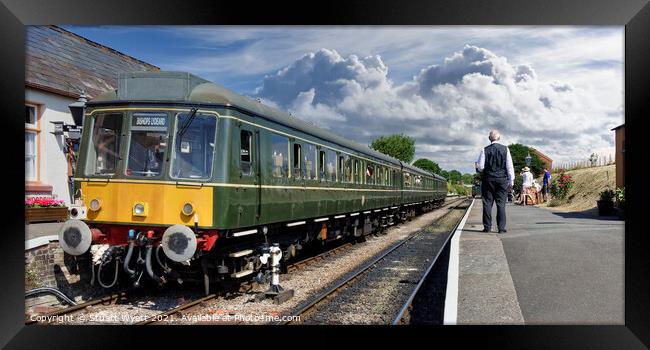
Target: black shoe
(503, 231)
(486, 230)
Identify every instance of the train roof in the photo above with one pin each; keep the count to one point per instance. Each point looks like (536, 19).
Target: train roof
(188, 88)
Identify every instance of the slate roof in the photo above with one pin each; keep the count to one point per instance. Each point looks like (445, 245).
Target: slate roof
(65, 63)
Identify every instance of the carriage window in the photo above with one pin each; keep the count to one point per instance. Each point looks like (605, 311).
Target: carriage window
(280, 149)
(310, 161)
(193, 146)
(386, 175)
(297, 148)
(407, 180)
(321, 164)
(330, 165)
(105, 151)
(356, 171)
(370, 171)
(348, 169)
(245, 138)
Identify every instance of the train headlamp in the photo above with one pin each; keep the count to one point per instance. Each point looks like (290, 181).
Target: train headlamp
(140, 209)
(188, 209)
(95, 204)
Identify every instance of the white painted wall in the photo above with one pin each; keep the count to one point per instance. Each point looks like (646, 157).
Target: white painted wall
(52, 159)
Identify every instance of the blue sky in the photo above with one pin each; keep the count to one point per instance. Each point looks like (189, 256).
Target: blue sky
(559, 89)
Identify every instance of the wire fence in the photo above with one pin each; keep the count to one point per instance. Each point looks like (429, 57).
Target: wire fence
(593, 161)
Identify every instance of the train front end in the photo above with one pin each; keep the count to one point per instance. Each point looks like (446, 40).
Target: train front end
(143, 200)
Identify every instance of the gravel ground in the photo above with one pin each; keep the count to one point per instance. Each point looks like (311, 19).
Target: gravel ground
(133, 309)
(378, 295)
(241, 307)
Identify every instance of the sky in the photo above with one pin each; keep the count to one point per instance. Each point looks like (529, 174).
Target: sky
(557, 89)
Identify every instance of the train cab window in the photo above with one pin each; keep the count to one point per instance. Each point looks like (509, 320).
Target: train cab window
(370, 172)
(280, 155)
(245, 142)
(105, 152)
(194, 142)
(147, 145)
(297, 168)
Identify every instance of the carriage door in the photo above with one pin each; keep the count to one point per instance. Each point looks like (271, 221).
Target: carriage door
(250, 175)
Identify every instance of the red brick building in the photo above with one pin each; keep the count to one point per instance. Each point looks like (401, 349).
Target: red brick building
(548, 162)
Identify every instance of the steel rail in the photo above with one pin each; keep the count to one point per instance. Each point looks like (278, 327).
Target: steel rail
(159, 317)
(78, 307)
(361, 271)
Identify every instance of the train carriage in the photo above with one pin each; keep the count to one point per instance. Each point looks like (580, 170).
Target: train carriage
(190, 177)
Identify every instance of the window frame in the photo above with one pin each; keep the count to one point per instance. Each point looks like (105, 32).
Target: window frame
(35, 129)
(286, 158)
(250, 152)
(293, 161)
(122, 138)
(171, 138)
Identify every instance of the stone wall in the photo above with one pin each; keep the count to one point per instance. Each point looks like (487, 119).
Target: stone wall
(48, 266)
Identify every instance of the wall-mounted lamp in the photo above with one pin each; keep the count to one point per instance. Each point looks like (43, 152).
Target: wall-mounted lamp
(77, 109)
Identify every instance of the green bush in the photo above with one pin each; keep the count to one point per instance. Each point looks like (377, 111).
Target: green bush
(620, 195)
(607, 195)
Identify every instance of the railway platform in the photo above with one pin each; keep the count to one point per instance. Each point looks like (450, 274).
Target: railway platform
(549, 268)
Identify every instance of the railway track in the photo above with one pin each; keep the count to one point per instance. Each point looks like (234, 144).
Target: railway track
(167, 315)
(48, 317)
(403, 315)
(313, 305)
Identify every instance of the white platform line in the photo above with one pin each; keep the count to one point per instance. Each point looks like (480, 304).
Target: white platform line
(451, 297)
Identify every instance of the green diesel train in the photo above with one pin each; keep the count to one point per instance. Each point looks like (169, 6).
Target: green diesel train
(191, 177)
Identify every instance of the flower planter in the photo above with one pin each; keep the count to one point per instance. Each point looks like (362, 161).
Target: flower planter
(605, 208)
(50, 214)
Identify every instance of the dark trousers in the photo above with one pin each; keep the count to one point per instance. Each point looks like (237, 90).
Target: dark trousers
(494, 189)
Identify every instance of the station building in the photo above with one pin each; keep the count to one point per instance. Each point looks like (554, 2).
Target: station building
(60, 66)
(548, 162)
(620, 155)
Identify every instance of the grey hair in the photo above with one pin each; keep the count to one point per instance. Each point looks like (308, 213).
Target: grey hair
(494, 135)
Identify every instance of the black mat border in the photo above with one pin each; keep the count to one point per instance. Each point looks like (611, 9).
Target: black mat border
(635, 15)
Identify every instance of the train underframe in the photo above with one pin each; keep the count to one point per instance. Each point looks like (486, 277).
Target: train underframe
(124, 254)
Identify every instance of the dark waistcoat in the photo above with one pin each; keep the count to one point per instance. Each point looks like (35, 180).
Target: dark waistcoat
(496, 156)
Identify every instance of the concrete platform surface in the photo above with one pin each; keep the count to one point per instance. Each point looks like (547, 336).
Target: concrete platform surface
(565, 269)
(41, 230)
(486, 293)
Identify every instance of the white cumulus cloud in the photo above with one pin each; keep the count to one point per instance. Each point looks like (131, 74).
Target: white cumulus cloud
(449, 107)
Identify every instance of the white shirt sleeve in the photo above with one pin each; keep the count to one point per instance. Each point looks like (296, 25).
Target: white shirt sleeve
(480, 162)
(510, 168)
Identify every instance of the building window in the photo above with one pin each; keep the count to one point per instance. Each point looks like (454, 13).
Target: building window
(31, 143)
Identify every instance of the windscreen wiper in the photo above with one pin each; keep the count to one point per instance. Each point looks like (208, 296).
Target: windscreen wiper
(187, 124)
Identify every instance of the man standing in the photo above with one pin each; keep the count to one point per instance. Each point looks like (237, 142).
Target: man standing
(497, 178)
(547, 177)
